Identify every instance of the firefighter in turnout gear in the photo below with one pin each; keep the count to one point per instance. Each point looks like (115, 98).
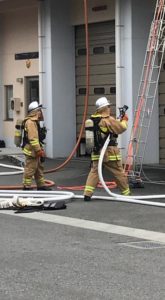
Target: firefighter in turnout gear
(33, 148)
(106, 125)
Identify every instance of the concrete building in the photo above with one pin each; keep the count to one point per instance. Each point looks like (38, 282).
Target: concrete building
(42, 57)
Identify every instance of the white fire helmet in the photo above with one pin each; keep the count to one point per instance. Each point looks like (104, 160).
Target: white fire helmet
(34, 106)
(102, 102)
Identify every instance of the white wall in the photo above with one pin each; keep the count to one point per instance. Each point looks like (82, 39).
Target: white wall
(59, 87)
(19, 34)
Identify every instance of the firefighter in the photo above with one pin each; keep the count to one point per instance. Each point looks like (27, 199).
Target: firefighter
(112, 158)
(33, 148)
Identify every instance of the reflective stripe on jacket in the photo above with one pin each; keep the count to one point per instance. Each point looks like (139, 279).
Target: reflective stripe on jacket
(112, 154)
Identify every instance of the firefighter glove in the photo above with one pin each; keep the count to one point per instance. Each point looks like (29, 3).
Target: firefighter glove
(125, 118)
(40, 153)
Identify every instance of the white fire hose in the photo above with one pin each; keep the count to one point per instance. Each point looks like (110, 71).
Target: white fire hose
(20, 170)
(31, 198)
(130, 199)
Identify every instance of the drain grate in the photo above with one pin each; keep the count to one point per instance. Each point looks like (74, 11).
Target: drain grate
(144, 245)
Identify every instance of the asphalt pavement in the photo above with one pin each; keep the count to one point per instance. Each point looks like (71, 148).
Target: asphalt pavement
(98, 250)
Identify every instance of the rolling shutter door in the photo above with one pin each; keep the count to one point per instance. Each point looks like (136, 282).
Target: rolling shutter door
(102, 67)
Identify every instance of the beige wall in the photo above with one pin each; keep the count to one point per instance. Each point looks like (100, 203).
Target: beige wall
(77, 12)
(20, 34)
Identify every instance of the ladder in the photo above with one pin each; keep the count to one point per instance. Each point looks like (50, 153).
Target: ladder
(147, 93)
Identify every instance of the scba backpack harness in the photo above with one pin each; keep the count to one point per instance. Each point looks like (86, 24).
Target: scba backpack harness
(21, 137)
(96, 136)
(19, 132)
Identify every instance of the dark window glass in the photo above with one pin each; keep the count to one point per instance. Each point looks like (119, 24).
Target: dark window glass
(82, 91)
(112, 49)
(81, 51)
(113, 90)
(98, 50)
(99, 91)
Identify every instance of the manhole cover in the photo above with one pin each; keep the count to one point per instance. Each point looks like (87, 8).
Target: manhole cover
(144, 245)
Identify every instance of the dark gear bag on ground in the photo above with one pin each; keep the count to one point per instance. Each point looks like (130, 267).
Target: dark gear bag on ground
(47, 205)
(54, 205)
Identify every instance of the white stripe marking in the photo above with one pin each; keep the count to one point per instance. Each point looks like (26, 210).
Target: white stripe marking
(91, 225)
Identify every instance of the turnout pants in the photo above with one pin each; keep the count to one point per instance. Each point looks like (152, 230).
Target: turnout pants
(33, 168)
(112, 162)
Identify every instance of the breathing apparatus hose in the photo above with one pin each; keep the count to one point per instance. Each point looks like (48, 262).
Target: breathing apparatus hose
(86, 96)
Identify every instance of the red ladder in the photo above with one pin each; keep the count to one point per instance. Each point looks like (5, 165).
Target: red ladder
(147, 93)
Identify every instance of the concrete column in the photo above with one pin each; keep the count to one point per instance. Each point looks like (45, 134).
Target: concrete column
(133, 21)
(58, 77)
(123, 17)
(45, 69)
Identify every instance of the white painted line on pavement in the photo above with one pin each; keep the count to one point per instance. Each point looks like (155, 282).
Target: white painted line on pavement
(92, 225)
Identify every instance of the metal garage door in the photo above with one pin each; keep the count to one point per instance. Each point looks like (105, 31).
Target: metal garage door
(162, 114)
(102, 66)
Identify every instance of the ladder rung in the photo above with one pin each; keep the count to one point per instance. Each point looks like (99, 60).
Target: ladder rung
(146, 97)
(150, 81)
(144, 126)
(155, 47)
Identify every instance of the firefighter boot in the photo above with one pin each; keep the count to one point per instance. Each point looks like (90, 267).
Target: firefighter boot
(87, 198)
(27, 188)
(44, 188)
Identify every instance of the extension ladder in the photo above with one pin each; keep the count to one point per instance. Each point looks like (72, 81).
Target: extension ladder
(147, 93)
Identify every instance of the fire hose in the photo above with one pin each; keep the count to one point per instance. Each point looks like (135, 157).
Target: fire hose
(37, 198)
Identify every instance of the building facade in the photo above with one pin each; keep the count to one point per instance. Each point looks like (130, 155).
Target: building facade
(42, 57)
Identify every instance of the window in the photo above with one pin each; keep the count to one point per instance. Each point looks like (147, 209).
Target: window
(82, 91)
(113, 90)
(8, 99)
(98, 50)
(112, 49)
(99, 91)
(82, 51)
